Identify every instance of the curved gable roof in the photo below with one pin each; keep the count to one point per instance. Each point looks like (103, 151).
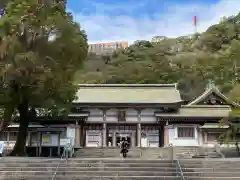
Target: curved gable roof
(212, 89)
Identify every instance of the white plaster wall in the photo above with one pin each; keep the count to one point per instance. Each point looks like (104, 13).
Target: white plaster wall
(95, 115)
(148, 115)
(112, 115)
(132, 115)
(175, 141)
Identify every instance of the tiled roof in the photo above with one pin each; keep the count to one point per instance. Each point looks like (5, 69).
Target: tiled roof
(210, 90)
(128, 93)
(200, 111)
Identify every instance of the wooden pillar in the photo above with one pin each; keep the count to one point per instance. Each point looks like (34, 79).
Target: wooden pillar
(77, 135)
(59, 154)
(28, 143)
(104, 135)
(133, 141)
(82, 135)
(40, 144)
(205, 137)
(166, 135)
(114, 144)
(139, 129)
(104, 129)
(200, 137)
(8, 136)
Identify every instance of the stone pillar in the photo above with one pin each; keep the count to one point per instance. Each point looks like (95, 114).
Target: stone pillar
(166, 135)
(138, 135)
(104, 135)
(114, 143)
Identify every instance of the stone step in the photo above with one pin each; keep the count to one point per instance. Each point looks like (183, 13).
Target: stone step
(210, 165)
(213, 174)
(119, 169)
(87, 173)
(84, 160)
(209, 169)
(41, 177)
(114, 152)
(117, 178)
(229, 161)
(208, 162)
(210, 178)
(88, 164)
(106, 155)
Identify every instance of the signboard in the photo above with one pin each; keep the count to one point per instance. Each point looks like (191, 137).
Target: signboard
(46, 138)
(49, 140)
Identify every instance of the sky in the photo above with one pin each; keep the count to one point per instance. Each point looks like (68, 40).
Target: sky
(130, 20)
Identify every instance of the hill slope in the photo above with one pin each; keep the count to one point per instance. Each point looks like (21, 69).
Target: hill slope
(189, 60)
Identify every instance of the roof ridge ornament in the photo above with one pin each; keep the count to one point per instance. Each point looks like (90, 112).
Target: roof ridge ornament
(211, 85)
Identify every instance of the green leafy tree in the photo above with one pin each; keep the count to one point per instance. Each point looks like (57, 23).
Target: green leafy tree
(234, 94)
(41, 48)
(232, 133)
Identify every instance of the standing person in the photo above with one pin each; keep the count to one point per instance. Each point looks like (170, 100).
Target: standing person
(124, 147)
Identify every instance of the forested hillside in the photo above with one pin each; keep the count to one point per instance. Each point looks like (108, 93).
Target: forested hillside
(189, 60)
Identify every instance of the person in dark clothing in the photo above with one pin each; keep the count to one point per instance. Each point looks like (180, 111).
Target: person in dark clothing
(124, 147)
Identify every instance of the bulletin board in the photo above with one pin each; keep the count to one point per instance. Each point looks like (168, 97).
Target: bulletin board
(50, 139)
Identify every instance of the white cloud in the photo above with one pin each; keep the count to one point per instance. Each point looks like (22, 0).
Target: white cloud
(173, 20)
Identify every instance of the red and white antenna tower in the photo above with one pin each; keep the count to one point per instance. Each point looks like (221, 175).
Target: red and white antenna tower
(195, 24)
(195, 18)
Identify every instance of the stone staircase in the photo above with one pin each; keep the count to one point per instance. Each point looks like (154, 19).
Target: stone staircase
(188, 152)
(185, 152)
(87, 169)
(221, 169)
(144, 153)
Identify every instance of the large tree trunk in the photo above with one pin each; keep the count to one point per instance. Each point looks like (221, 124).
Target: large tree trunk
(20, 146)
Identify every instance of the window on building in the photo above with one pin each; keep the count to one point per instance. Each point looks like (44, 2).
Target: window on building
(186, 132)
